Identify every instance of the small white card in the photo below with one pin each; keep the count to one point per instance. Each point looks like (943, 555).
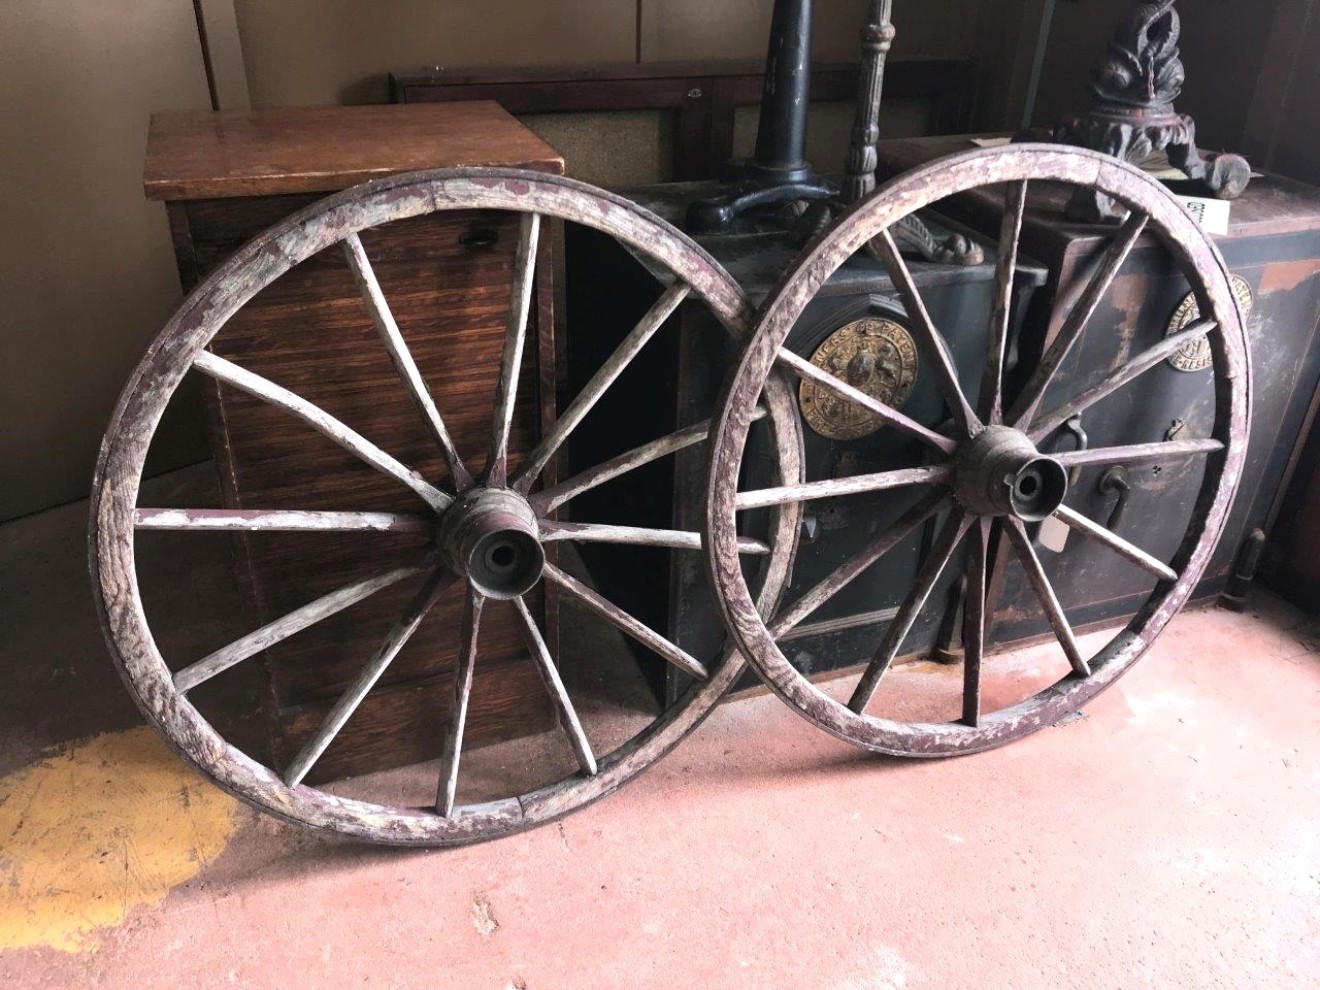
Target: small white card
(1053, 534)
(1212, 214)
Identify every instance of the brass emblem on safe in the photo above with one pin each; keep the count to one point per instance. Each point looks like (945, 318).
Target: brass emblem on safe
(1196, 356)
(873, 355)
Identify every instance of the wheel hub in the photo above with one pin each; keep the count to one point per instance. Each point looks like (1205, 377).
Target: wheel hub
(1001, 473)
(490, 536)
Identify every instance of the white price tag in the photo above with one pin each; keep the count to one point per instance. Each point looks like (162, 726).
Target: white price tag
(1211, 214)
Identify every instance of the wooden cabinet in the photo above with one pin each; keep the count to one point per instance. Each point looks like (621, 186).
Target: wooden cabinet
(226, 176)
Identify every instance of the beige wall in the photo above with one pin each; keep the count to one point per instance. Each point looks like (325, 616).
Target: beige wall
(332, 51)
(689, 29)
(86, 270)
(339, 51)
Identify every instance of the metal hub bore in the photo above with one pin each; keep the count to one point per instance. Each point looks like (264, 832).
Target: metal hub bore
(1001, 473)
(490, 536)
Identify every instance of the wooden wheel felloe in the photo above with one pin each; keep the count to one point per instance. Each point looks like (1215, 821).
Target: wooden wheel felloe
(481, 534)
(982, 477)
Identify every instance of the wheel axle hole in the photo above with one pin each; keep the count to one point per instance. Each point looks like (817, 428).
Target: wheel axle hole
(1038, 489)
(506, 564)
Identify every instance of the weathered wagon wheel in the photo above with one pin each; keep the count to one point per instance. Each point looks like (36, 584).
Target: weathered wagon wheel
(981, 474)
(481, 534)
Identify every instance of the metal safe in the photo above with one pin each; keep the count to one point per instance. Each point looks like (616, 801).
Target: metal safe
(855, 326)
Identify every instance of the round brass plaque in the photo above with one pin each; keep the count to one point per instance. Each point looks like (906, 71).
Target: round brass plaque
(1196, 355)
(873, 355)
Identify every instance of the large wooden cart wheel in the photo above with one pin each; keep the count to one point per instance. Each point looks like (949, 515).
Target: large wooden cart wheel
(980, 478)
(481, 534)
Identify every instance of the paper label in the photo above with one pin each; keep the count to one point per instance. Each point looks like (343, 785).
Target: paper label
(1053, 534)
(1211, 214)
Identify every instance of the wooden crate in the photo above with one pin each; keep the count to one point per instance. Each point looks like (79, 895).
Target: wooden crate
(225, 177)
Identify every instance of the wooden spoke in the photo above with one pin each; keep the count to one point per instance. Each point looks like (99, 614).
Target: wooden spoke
(1026, 553)
(549, 499)
(465, 665)
(280, 521)
(626, 624)
(1139, 365)
(929, 573)
(397, 348)
(803, 368)
(673, 539)
(1138, 453)
(855, 485)
(506, 394)
(321, 421)
(974, 605)
(851, 569)
(568, 716)
(282, 628)
(1010, 236)
(600, 381)
(349, 701)
(1116, 543)
(1096, 287)
(931, 342)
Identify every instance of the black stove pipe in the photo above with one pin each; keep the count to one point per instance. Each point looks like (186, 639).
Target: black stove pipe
(778, 173)
(781, 137)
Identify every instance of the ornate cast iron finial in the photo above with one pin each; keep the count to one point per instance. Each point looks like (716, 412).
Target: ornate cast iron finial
(1132, 114)
(1143, 67)
(861, 160)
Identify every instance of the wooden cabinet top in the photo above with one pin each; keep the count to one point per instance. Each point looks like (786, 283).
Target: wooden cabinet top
(199, 154)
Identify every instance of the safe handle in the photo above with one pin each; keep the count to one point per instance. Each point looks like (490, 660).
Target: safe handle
(1082, 441)
(1116, 480)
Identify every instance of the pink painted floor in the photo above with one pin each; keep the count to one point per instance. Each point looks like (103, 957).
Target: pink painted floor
(1171, 838)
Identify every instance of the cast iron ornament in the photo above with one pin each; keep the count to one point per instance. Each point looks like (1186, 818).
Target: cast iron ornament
(1132, 113)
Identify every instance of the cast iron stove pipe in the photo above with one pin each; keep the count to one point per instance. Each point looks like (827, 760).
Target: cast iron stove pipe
(778, 172)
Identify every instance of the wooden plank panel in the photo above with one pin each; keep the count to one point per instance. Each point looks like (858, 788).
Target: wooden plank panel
(502, 698)
(311, 333)
(446, 279)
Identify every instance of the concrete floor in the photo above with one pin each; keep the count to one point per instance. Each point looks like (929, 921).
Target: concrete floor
(1170, 838)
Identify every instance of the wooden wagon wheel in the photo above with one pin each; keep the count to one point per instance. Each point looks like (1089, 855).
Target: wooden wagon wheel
(481, 535)
(982, 473)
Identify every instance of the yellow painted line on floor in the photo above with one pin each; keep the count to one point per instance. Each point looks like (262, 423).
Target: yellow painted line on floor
(87, 835)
